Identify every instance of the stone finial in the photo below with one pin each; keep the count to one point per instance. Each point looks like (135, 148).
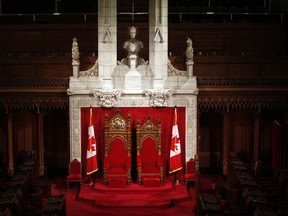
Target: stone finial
(189, 50)
(75, 51)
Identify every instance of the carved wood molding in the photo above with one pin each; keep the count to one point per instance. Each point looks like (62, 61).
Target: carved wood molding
(6, 85)
(241, 104)
(34, 94)
(242, 94)
(38, 104)
(34, 104)
(220, 82)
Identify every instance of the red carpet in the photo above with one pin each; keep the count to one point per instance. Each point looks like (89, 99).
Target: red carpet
(134, 196)
(90, 201)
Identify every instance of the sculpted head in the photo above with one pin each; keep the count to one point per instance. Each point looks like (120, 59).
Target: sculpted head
(132, 31)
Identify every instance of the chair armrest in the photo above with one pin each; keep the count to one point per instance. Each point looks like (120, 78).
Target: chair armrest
(106, 162)
(128, 162)
(160, 162)
(139, 162)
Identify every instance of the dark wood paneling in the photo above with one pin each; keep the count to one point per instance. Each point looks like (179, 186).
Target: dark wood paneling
(244, 70)
(211, 70)
(26, 41)
(242, 132)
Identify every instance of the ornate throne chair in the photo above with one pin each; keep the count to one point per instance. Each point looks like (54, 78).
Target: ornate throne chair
(149, 158)
(117, 156)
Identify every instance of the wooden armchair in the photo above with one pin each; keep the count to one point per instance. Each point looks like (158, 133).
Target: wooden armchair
(117, 158)
(75, 172)
(149, 158)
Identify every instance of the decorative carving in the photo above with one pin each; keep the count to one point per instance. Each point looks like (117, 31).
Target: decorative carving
(107, 98)
(189, 50)
(118, 123)
(158, 98)
(92, 71)
(75, 51)
(175, 72)
(158, 38)
(107, 36)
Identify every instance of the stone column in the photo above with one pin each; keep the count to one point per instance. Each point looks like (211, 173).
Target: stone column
(158, 41)
(107, 40)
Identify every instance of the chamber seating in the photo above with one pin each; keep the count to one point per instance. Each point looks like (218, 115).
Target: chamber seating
(189, 171)
(75, 172)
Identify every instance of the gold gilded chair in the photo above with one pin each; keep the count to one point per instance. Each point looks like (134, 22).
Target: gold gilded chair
(149, 158)
(117, 156)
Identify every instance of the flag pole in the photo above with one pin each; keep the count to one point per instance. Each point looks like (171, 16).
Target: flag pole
(176, 181)
(175, 150)
(91, 156)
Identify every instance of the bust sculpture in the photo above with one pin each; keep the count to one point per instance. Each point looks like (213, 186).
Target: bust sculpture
(133, 46)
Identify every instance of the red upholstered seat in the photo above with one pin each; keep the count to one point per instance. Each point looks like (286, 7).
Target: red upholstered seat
(189, 171)
(117, 159)
(149, 158)
(75, 172)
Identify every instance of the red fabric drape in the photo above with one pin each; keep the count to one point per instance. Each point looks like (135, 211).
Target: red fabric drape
(166, 115)
(279, 145)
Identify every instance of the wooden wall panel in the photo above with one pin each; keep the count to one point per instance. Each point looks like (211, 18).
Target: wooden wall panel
(269, 42)
(21, 71)
(52, 71)
(56, 139)
(27, 41)
(274, 70)
(211, 133)
(211, 70)
(244, 70)
(242, 131)
(210, 160)
(5, 42)
(23, 132)
(239, 40)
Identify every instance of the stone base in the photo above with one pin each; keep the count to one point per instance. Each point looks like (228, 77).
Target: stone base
(85, 82)
(133, 80)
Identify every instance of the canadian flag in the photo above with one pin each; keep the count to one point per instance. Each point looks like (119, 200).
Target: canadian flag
(91, 157)
(175, 150)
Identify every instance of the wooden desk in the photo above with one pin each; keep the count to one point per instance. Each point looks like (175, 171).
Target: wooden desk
(56, 205)
(208, 204)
